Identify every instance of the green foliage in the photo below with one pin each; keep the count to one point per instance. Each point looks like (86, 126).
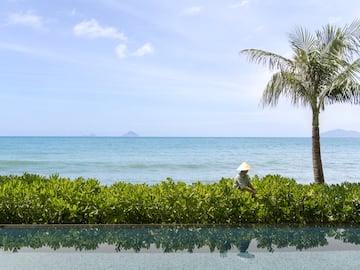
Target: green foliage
(29, 199)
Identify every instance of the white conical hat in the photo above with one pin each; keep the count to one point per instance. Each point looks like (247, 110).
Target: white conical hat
(244, 167)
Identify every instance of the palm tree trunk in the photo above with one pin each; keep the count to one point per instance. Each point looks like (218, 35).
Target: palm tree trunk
(316, 152)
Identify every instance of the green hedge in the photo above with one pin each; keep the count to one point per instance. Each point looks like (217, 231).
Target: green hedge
(29, 199)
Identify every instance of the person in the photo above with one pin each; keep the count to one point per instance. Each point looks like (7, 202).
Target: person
(242, 180)
(243, 248)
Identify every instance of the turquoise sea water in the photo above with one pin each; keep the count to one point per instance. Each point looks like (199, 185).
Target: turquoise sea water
(153, 159)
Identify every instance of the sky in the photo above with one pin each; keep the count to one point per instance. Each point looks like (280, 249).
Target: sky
(156, 67)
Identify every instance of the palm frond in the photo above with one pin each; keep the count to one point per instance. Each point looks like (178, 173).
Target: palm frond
(350, 94)
(271, 60)
(287, 85)
(326, 35)
(352, 33)
(301, 39)
(272, 90)
(345, 87)
(344, 42)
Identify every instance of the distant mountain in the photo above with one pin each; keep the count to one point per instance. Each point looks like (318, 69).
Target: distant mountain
(130, 134)
(340, 133)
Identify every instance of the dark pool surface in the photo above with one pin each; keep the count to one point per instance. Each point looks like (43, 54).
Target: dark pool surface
(178, 247)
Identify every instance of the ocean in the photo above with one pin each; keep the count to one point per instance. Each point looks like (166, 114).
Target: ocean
(154, 159)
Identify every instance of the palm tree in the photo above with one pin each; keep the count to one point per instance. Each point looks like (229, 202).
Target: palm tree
(324, 69)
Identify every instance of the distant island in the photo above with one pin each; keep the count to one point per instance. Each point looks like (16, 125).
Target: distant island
(340, 133)
(130, 134)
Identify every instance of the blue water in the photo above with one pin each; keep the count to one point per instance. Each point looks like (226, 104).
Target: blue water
(151, 160)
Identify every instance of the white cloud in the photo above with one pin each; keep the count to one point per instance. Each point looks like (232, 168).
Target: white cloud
(92, 29)
(239, 4)
(192, 10)
(121, 50)
(26, 19)
(147, 48)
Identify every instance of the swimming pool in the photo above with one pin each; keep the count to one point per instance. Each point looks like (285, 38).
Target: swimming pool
(178, 247)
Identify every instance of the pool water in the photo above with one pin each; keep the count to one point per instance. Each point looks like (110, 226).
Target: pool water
(186, 247)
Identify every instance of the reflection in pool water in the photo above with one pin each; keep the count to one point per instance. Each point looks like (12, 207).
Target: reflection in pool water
(120, 247)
